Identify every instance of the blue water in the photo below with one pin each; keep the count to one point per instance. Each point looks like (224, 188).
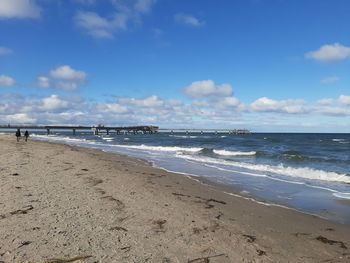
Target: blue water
(307, 172)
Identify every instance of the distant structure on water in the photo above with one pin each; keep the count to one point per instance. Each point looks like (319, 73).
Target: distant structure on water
(142, 129)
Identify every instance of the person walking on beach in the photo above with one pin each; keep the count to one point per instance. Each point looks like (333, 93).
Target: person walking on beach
(26, 135)
(18, 134)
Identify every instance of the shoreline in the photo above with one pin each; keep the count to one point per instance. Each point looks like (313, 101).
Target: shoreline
(227, 189)
(168, 217)
(314, 197)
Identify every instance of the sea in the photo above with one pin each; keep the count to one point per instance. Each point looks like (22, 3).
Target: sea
(306, 172)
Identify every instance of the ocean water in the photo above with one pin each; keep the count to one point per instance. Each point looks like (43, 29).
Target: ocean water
(307, 172)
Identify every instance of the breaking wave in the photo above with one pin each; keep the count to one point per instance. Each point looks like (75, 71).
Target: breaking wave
(233, 153)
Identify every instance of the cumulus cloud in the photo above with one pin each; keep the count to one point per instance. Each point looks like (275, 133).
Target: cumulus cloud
(43, 82)
(231, 102)
(154, 110)
(67, 73)
(20, 118)
(53, 103)
(19, 9)
(333, 111)
(125, 13)
(5, 51)
(325, 102)
(152, 101)
(330, 53)
(6, 81)
(112, 108)
(100, 27)
(207, 88)
(265, 104)
(188, 20)
(63, 77)
(345, 100)
(144, 6)
(330, 80)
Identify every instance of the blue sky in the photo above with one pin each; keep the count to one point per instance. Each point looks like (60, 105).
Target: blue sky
(266, 65)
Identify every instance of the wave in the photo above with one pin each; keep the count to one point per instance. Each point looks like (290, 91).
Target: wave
(184, 136)
(342, 141)
(108, 139)
(302, 172)
(342, 195)
(338, 140)
(58, 138)
(233, 153)
(162, 148)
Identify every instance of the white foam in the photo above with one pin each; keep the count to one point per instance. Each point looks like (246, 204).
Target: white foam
(58, 138)
(184, 136)
(162, 148)
(108, 139)
(233, 153)
(303, 172)
(342, 195)
(342, 141)
(234, 171)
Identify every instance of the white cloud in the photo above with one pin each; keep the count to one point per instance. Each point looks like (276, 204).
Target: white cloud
(67, 73)
(207, 88)
(152, 101)
(43, 82)
(345, 100)
(188, 20)
(64, 78)
(330, 53)
(5, 51)
(333, 111)
(53, 103)
(6, 81)
(111, 108)
(325, 102)
(19, 9)
(330, 80)
(265, 104)
(125, 13)
(144, 6)
(20, 118)
(100, 27)
(231, 102)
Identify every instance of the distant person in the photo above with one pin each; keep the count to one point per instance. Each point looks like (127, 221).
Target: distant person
(18, 134)
(26, 135)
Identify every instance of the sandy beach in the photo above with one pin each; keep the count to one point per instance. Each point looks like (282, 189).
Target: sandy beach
(67, 204)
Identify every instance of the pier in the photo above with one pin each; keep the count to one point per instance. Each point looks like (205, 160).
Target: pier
(100, 129)
(95, 129)
(202, 131)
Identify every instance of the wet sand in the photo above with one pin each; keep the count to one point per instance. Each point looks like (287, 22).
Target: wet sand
(61, 203)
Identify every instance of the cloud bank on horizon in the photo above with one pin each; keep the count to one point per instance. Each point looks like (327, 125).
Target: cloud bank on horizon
(172, 64)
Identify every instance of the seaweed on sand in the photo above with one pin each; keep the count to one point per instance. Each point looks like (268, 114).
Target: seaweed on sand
(331, 242)
(118, 228)
(22, 211)
(57, 260)
(250, 238)
(204, 259)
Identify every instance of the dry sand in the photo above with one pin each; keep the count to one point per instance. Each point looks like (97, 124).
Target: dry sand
(65, 203)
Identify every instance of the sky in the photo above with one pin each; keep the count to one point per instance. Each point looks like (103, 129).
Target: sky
(264, 65)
